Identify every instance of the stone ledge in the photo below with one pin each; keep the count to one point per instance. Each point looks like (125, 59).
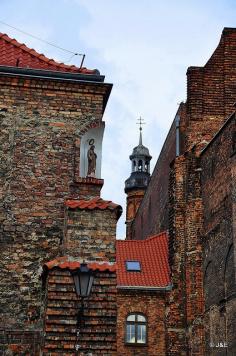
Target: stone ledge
(88, 180)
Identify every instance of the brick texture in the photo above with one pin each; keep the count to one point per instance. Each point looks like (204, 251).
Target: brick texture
(145, 303)
(40, 122)
(218, 192)
(90, 235)
(173, 199)
(98, 329)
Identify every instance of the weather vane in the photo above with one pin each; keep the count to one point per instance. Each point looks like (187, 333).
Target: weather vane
(140, 123)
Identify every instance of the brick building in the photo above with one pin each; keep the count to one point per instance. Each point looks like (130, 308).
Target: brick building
(191, 194)
(53, 221)
(143, 279)
(50, 116)
(218, 183)
(158, 292)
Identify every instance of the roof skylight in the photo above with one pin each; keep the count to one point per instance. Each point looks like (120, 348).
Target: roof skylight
(133, 266)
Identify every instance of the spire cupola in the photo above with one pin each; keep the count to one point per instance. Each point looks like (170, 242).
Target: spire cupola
(140, 165)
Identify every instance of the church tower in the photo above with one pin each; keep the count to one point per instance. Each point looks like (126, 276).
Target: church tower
(136, 184)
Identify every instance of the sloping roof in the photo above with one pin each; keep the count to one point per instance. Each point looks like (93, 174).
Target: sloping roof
(95, 203)
(66, 263)
(152, 254)
(15, 54)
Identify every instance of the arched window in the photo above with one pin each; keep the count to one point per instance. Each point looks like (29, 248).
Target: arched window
(136, 329)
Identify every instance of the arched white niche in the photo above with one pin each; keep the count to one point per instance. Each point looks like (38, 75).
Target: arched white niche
(93, 137)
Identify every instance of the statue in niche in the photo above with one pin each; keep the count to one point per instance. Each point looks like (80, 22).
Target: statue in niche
(92, 157)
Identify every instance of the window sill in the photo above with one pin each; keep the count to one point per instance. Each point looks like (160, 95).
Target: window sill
(135, 344)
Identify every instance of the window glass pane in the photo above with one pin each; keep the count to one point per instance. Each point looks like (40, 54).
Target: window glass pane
(131, 317)
(130, 333)
(141, 318)
(133, 266)
(141, 334)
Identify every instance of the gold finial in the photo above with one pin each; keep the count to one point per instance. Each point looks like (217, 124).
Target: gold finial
(140, 123)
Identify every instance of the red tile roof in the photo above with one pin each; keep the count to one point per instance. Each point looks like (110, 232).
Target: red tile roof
(152, 254)
(65, 263)
(15, 54)
(95, 203)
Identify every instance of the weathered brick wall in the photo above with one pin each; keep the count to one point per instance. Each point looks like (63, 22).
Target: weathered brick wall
(185, 302)
(211, 92)
(19, 342)
(176, 300)
(152, 305)
(193, 258)
(218, 179)
(90, 235)
(98, 332)
(134, 198)
(86, 188)
(40, 121)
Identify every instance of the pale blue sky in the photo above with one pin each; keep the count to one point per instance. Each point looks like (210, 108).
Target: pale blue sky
(143, 48)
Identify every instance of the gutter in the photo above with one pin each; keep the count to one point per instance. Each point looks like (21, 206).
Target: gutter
(177, 127)
(52, 74)
(146, 288)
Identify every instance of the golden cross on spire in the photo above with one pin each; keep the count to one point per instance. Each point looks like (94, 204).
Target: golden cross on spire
(140, 123)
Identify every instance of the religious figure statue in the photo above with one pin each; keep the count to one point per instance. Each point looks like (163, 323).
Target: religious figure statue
(92, 157)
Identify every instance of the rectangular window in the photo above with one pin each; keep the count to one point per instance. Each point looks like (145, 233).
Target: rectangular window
(130, 333)
(141, 334)
(133, 266)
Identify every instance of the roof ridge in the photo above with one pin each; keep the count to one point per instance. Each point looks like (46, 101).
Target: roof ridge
(164, 233)
(157, 235)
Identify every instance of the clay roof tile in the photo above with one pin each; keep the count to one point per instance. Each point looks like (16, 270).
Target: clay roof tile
(11, 50)
(65, 263)
(95, 203)
(152, 254)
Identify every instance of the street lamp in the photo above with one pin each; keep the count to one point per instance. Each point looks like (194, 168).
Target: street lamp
(83, 280)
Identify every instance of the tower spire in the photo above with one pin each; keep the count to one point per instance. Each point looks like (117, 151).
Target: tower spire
(140, 123)
(138, 180)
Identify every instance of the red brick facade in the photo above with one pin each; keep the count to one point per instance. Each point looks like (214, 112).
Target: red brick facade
(49, 211)
(42, 117)
(97, 333)
(175, 191)
(133, 200)
(219, 267)
(150, 304)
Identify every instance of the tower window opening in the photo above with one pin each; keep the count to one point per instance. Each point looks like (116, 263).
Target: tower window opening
(140, 165)
(146, 166)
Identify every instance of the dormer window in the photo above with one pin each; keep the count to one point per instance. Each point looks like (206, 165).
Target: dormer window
(133, 266)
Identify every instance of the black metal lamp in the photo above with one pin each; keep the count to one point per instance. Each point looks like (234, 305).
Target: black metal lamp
(83, 280)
